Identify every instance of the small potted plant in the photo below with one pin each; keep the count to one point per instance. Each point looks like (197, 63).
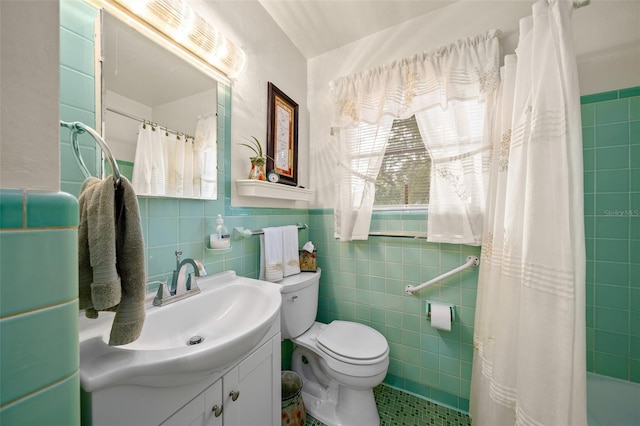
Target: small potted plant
(258, 161)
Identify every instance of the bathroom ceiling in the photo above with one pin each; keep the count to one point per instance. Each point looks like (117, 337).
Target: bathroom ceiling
(318, 26)
(314, 27)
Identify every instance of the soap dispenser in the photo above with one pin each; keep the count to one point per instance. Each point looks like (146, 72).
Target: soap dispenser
(221, 238)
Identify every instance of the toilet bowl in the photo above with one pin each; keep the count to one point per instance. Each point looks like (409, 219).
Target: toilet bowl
(340, 363)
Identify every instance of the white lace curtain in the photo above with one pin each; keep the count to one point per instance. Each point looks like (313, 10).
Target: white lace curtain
(529, 333)
(449, 91)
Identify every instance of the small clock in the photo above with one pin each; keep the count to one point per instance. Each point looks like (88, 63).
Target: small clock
(272, 176)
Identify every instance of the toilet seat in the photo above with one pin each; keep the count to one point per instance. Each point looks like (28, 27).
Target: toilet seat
(352, 342)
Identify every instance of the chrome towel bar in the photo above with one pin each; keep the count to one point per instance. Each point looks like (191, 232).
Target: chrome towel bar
(77, 128)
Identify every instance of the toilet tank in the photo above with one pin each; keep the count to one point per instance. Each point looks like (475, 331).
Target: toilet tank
(299, 303)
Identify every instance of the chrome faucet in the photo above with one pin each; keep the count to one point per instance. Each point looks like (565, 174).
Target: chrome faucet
(180, 274)
(180, 280)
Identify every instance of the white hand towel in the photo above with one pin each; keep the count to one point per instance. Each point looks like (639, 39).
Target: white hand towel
(271, 255)
(291, 260)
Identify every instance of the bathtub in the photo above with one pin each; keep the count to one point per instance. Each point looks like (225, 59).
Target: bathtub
(612, 401)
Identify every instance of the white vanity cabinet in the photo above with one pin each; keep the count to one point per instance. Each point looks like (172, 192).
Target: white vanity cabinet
(257, 383)
(243, 396)
(205, 410)
(255, 380)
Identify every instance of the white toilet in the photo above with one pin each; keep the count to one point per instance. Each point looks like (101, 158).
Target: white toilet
(339, 363)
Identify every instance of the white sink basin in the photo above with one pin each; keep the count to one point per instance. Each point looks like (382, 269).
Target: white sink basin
(232, 314)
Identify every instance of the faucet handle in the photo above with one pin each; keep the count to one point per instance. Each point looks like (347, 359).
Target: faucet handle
(178, 254)
(162, 293)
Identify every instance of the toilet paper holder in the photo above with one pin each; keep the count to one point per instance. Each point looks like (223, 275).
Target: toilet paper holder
(452, 309)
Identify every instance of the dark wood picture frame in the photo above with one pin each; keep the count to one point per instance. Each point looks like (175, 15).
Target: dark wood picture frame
(282, 135)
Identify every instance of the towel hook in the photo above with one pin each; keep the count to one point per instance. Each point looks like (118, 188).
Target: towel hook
(77, 128)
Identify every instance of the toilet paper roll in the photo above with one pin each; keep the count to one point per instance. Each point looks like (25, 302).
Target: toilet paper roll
(441, 317)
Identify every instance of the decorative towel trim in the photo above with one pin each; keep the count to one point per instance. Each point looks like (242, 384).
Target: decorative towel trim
(290, 256)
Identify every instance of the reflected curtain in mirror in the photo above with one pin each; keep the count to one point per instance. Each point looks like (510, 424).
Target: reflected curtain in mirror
(146, 87)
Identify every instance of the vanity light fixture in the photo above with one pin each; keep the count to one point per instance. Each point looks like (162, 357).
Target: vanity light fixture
(177, 21)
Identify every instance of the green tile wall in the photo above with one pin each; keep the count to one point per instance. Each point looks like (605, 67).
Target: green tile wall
(184, 225)
(55, 402)
(77, 90)
(38, 257)
(611, 133)
(364, 281)
(38, 308)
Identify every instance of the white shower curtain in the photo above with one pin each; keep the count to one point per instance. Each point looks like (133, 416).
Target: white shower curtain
(179, 149)
(529, 337)
(187, 190)
(197, 165)
(149, 167)
(206, 141)
(170, 162)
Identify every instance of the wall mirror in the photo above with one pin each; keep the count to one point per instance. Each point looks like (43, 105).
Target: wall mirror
(158, 114)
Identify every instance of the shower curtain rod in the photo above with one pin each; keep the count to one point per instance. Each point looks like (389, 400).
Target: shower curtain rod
(151, 123)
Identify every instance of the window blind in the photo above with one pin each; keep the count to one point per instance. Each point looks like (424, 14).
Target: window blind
(404, 176)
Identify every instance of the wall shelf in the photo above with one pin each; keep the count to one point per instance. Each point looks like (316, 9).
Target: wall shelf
(258, 188)
(221, 250)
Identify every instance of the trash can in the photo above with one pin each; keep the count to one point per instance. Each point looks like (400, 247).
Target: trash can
(293, 413)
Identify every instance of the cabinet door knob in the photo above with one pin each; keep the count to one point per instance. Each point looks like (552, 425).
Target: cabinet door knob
(217, 410)
(234, 395)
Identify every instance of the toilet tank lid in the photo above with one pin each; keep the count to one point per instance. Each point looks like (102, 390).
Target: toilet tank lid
(353, 340)
(298, 281)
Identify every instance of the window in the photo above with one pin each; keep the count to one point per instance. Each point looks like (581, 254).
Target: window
(404, 178)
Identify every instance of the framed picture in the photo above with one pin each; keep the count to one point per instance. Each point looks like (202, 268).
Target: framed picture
(282, 135)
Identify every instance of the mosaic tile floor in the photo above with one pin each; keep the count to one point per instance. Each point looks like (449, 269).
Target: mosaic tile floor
(399, 408)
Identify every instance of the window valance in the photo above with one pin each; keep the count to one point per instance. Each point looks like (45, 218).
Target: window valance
(466, 69)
